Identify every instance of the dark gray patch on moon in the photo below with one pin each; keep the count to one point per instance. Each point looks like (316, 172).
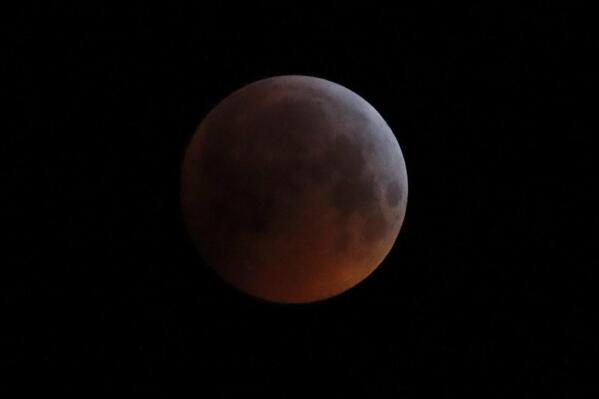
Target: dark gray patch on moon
(394, 194)
(376, 225)
(353, 188)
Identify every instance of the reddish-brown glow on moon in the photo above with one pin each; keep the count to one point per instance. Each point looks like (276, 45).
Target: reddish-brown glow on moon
(294, 189)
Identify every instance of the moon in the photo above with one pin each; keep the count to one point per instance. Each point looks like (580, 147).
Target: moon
(293, 189)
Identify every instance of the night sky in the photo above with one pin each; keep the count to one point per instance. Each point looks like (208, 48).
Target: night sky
(488, 289)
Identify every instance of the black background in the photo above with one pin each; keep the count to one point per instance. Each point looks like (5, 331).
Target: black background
(487, 291)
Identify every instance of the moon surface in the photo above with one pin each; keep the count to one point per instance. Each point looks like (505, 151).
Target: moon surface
(293, 189)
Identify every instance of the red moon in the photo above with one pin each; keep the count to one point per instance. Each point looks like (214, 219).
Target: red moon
(294, 189)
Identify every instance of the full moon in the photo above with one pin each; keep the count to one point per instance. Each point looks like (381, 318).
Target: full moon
(293, 189)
